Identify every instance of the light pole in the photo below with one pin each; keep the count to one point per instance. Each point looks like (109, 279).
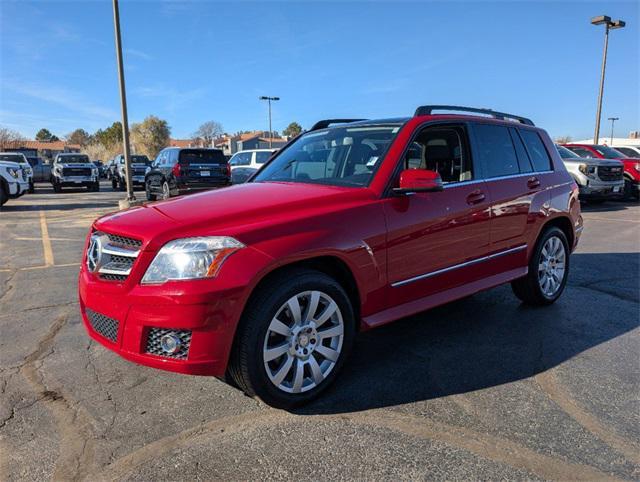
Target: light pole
(612, 119)
(609, 25)
(123, 105)
(269, 99)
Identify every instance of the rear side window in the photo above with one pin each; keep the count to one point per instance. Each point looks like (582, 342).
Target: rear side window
(537, 152)
(201, 156)
(241, 159)
(582, 152)
(262, 157)
(523, 157)
(495, 150)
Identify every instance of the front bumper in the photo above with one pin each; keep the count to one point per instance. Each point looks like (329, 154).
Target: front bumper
(76, 180)
(17, 188)
(602, 190)
(210, 309)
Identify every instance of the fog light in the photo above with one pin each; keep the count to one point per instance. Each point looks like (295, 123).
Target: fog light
(170, 343)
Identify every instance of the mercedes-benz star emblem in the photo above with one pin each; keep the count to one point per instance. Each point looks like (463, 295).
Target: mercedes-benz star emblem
(94, 253)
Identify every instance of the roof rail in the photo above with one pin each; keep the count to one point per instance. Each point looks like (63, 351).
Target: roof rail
(428, 109)
(323, 124)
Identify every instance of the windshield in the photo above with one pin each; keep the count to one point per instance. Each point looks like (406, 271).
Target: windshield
(566, 153)
(609, 153)
(627, 151)
(202, 156)
(12, 158)
(343, 156)
(71, 159)
(137, 160)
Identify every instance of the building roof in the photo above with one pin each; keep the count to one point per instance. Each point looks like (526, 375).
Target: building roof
(181, 143)
(275, 139)
(39, 145)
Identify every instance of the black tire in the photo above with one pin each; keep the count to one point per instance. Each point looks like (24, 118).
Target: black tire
(4, 196)
(57, 187)
(528, 288)
(122, 185)
(32, 187)
(95, 187)
(630, 193)
(147, 189)
(596, 202)
(114, 183)
(246, 365)
(166, 190)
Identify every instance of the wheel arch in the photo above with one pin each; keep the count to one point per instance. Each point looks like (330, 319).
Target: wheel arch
(564, 224)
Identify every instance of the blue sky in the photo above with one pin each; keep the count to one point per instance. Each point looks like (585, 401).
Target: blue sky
(189, 62)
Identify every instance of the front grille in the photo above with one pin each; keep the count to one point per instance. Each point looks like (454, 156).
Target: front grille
(153, 342)
(113, 277)
(139, 172)
(107, 327)
(76, 171)
(125, 242)
(610, 173)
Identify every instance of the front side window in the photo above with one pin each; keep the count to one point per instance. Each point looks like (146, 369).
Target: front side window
(441, 149)
(495, 150)
(340, 156)
(537, 152)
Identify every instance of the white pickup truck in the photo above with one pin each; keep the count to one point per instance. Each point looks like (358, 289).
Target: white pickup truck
(14, 181)
(74, 170)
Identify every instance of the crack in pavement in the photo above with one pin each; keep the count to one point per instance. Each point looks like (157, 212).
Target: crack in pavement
(74, 424)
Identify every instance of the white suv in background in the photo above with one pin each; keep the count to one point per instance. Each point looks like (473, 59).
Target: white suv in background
(245, 163)
(629, 151)
(14, 181)
(21, 159)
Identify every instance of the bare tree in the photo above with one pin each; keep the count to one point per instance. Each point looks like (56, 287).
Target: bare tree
(563, 139)
(9, 137)
(208, 131)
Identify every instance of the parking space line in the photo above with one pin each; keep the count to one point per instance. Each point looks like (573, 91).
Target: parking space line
(46, 241)
(44, 266)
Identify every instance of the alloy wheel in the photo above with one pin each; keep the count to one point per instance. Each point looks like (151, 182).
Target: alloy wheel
(551, 267)
(166, 192)
(303, 342)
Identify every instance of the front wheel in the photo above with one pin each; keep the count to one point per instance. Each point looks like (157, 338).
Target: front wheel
(166, 191)
(32, 187)
(630, 192)
(548, 270)
(293, 340)
(4, 196)
(150, 195)
(114, 183)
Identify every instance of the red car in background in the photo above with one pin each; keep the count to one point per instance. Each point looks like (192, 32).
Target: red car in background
(631, 164)
(352, 225)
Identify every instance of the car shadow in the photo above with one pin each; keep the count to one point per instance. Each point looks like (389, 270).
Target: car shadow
(484, 341)
(607, 206)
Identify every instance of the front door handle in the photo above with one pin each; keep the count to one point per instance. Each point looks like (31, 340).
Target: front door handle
(533, 183)
(476, 197)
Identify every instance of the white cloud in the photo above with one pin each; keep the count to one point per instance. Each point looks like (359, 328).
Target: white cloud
(138, 53)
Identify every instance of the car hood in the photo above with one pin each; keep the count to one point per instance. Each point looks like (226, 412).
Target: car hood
(592, 161)
(231, 211)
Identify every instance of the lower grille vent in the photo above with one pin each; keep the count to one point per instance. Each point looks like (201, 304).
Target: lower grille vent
(107, 327)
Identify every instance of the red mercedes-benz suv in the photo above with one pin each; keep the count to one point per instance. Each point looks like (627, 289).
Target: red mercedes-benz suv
(354, 224)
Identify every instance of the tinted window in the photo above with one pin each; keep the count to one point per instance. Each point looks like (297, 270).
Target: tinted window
(12, 158)
(139, 160)
(627, 151)
(262, 157)
(566, 153)
(609, 153)
(537, 152)
(241, 159)
(341, 156)
(202, 156)
(496, 151)
(521, 152)
(581, 151)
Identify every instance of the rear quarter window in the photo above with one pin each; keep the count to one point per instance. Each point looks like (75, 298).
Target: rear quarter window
(537, 152)
(495, 150)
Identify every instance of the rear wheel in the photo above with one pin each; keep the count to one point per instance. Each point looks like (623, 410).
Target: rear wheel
(629, 192)
(548, 270)
(114, 183)
(57, 187)
(293, 340)
(32, 187)
(122, 185)
(4, 196)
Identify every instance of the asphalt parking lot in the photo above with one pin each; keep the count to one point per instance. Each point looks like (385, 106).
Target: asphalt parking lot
(479, 389)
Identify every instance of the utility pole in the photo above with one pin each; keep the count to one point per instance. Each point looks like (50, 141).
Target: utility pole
(269, 99)
(612, 119)
(130, 199)
(609, 25)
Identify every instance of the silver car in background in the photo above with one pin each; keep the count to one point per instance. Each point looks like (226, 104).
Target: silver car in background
(599, 180)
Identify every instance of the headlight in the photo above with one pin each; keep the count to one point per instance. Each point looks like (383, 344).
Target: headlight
(12, 172)
(190, 258)
(94, 171)
(637, 166)
(27, 170)
(587, 170)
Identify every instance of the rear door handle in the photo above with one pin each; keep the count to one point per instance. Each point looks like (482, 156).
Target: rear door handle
(476, 197)
(533, 183)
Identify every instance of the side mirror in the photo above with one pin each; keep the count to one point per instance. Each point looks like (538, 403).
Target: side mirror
(418, 180)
